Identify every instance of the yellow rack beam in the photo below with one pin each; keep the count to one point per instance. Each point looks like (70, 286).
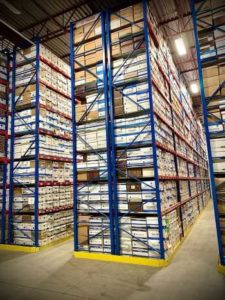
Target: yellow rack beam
(31, 249)
(122, 259)
(17, 248)
(221, 268)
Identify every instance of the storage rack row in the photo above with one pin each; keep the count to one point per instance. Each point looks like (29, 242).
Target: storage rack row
(4, 114)
(139, 169)
(209, 30)
(40, 181)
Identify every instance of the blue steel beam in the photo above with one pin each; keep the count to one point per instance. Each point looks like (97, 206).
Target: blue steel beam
(3, 224)
(112, 136)
(154, 149)
(75, 217)
(12, 136)
(37, 115)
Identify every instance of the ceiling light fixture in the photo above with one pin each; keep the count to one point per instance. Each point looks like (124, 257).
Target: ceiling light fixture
(181, 49)
(194, 88)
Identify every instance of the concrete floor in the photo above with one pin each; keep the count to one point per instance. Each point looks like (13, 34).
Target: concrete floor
(55, 274)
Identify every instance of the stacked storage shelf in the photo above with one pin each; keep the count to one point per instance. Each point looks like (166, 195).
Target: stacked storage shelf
(40, 197)
(209, 25)
(4, 79)
(92, 149)
(141, 177)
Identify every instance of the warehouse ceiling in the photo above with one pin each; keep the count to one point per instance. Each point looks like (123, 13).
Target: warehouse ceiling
(50, 20)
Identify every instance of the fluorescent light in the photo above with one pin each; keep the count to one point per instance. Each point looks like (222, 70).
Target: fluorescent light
(194, 88)
(181, 49)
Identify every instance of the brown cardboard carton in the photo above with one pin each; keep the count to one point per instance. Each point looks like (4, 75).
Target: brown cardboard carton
(92, 175)
(115, 22)
(83, 234)
(210, 72)
(79, 30)
(97, 28)
(138, 11)
(82, 176)
(135, 206)
(222, 69)
(118, 101)
(80, 109)
(131, 75)
(139, 28)
(221, 207)
(78, 62)
(126, 13)
(80, 75)
(116, 50)
(89, 46)
(136, 172)
(119, 110)
(222, 78)
(98, 43)
(133, 187)
(83, 229)
(26, 218)
(211, 81)
(87, 27)
(115, 36)
(125, 32)
(209, 90)
(219, 21)
(92, 115)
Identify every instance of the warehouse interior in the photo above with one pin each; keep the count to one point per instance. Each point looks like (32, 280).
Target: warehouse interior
(112, 160)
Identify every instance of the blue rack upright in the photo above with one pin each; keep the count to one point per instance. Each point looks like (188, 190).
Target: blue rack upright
(4, 112)
(209, 31)
(140, 171)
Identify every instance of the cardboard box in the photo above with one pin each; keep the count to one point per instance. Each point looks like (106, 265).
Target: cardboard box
(126, 13)
(135, 172)
(210, 72)
(133, 187)
(92, 115)
(116, 50)
(115, 22)
(125, 32)
(138, 11)
(211, 81)
(82, 176)
(119, 110)
(83, 234)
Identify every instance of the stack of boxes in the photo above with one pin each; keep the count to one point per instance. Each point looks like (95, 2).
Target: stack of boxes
(3, 140)
(92, 174)
(49, 206)
(212, 51)
(181, 155)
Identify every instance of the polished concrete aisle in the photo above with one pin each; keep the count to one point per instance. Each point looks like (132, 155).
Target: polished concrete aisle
(54, 274)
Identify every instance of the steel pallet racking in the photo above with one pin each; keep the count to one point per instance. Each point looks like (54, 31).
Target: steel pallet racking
(40, 207)
(4, 112)
(209, 31)
(116, 226)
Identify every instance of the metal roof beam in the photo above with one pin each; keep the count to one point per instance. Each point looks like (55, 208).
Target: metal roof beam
(47, 14)
(54, 16)
(174, 19)
(188, 70)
